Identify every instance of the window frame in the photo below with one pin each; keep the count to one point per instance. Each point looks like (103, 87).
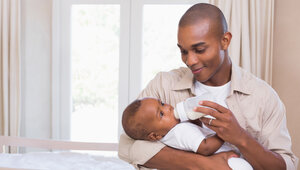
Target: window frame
(130, 60)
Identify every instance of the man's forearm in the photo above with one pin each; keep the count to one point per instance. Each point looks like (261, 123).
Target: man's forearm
(259, 157)
(169, 158)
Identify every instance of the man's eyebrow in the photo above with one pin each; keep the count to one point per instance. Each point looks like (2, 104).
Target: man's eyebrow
(194, 45)
(198, 44)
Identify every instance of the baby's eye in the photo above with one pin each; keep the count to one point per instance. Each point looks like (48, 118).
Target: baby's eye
(162, 103)
(161, 114)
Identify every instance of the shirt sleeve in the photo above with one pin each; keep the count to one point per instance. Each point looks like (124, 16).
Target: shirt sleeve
(155, 88)
(137, 152)
(275, 134)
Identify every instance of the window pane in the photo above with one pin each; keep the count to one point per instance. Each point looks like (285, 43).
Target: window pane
(160, 51)
(95, 69)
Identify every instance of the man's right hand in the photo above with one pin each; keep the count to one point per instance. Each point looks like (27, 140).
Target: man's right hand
(173, 159)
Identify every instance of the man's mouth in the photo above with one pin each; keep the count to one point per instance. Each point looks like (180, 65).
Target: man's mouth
(195, 71)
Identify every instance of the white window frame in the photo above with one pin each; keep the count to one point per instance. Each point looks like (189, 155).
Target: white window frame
(129, 62)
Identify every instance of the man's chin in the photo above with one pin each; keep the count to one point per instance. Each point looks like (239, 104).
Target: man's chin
(200, 79)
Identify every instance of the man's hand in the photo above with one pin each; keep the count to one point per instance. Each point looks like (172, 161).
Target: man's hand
(227, 128)
(225, 125)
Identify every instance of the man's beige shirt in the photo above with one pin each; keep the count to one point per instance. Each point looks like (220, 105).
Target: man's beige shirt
(254, 103)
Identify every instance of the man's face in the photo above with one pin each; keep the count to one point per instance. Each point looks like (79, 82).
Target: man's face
(156, 116)
(201, 50)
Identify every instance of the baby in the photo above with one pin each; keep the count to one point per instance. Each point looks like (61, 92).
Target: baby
(150, 119)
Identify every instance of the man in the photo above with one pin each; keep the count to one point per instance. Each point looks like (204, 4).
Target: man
(249, 115)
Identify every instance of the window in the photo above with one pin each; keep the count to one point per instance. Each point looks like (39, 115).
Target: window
(104, 53)
(95, 34)
(160, 51)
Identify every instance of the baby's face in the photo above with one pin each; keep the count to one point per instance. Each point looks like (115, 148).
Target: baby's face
(157, 116)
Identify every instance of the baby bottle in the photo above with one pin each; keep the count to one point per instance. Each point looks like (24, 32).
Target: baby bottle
(184, 110)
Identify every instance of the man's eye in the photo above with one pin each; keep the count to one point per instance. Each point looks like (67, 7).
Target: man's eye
(199, 51)
(162, 103)
(183, 52)
(161, 114)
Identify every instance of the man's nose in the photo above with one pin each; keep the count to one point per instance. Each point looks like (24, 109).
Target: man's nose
(191, 59)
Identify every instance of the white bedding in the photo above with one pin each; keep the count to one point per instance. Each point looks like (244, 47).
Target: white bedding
(62, 161)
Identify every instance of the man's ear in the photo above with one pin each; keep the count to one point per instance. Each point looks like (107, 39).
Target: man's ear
(226, 40)
(154, 136)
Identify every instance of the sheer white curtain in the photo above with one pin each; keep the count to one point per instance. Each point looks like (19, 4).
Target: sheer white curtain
(9, 67)
(251, 24)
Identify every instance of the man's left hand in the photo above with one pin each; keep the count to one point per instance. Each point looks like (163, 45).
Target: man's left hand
(225, 125)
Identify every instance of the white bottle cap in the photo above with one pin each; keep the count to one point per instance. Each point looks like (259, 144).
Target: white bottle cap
(179, 112)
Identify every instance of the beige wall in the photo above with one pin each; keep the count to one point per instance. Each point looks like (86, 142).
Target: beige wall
(286, 63)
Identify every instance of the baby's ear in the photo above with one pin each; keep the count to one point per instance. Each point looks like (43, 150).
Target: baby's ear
(154, 136)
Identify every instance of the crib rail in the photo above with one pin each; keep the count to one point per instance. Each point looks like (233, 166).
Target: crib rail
(54, 144)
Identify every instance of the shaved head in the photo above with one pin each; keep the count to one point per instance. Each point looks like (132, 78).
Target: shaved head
(202, 11)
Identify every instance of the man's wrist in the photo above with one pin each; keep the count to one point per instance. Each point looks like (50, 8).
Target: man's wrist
(244, 140)
(169, 158)
(240, 139)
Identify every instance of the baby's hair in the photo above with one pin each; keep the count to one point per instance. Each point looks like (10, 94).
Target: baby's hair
(132, 128)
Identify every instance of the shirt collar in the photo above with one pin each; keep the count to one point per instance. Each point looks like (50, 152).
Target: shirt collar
(238, 81)
(186, 82)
